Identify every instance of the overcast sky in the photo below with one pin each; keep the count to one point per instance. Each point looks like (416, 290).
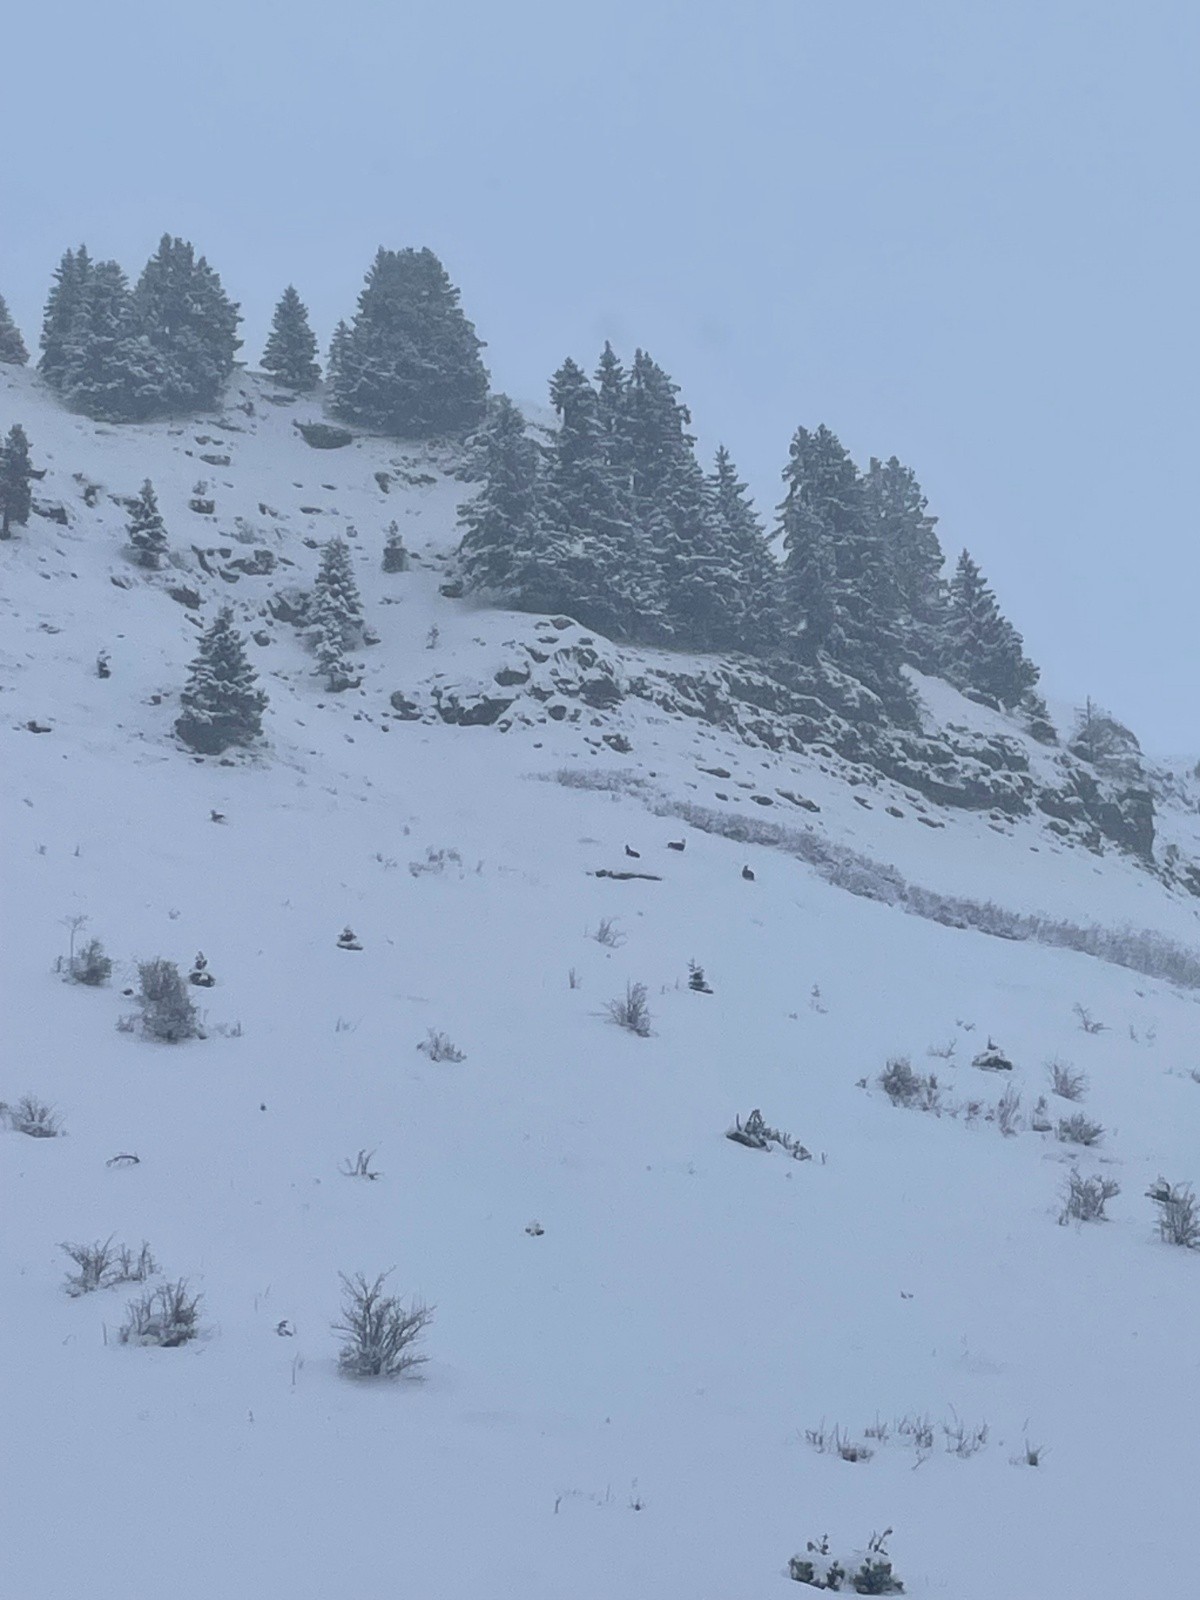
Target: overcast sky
(961, 231)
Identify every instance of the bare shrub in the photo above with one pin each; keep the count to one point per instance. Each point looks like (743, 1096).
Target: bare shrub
(103, 1265)
(360, 1166)
(167, 1012)
(963, 1441)
(439, 1047)
(379, 1333)
(436, 862)
(1178, 1213)
(904, 1087)
(1078, 1129)
(916, 1431)
(837, 1443)
(1086, 1021)
(609, 934)
(166, 1316)
(756, 1134)
(1085, 1198)
(631, 1011)
(1065, 1081)
(33, 1117)
(1008, 1112)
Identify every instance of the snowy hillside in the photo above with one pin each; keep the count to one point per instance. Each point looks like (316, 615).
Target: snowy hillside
(643, 1331)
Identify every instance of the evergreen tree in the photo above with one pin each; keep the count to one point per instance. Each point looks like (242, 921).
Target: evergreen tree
(12, 347)
(337, 605)
(106, 370)
(898, 512)
(16, 474)
(329, 642)
(753, 587)
(63, 304)
(836, 572)
(983, 651)
(147, 536)
(181, 308)
(499, 549)
(221, 705)
(291, 345)
(612, 392)
(395, 556)
(410, 364)
(336, 356)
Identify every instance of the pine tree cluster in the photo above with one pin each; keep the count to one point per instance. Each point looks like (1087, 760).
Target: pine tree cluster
(613, 520)
(161, 348)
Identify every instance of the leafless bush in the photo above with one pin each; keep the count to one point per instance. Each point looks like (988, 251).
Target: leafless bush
(167, 1012)
(904, 1087)
(837, 1443)
(33, 1117)
(1178, 1213)
(439, 1047)
(436, 862)
(943, 1052)
(758, 1135)
(608, 934)
(1065, 1081)
(1086, 1198)
(103, 1266)
(631, 1011)
(964, 1441)
(91, 966)
(1078, 1129)
(1040, 1119)
(1008, 1112)
(166, 1316)
(379, 1333)
(917, 1431)
(359, 1167)
(1086, 1021)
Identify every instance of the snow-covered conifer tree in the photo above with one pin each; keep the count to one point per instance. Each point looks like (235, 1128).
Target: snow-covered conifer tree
(499, 523)
(221, 704)
(12, 347)
(16, 473)
(983, 651)
(182, 309)
(147, 536)
(290, 354)
(63, 305)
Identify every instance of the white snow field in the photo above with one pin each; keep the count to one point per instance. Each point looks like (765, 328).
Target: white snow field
(618, 1405)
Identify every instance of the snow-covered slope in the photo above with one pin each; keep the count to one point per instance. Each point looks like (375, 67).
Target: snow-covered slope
(618, 1404)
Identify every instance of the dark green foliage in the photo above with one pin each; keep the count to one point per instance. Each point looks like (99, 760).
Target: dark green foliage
(16, 474)
(181, 308)
(751, 580)
(499, 552)
(337, 351)
(63, 304)
(147, 536)
(12, 347)
(221, 705)
(335, 616)
(91, 967)
(409, 365)
(290, 355)
(982, 650)
(109, 370)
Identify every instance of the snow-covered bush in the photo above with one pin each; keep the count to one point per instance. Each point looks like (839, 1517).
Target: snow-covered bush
(91, 966)
(439, 1047)
(103, 1265)
(630, 1011)
(1078, 1129)
(756, 1134)
(904, 1087)
(33, 1117)
(867, 1572)
(1086, 1198)
(379, 1332)
(1178, 1213)
(1008, 1112)
(167, 1013)
(167, 1316)
(1065, 1081)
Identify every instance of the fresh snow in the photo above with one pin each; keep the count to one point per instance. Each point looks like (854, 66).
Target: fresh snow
(617, 1406)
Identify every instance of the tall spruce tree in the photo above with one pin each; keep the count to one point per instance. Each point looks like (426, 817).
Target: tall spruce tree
(499, 551)
(753, 618)
(221, 704)
(12, 347)
(290, 354)
(106, 370)
(982, 650)
(16, 474)
(836, 572)
(336, 592)
(63, 305)
(182, 309)
(336, 356)
(410, 366)
(899, 515)
(147, 536)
